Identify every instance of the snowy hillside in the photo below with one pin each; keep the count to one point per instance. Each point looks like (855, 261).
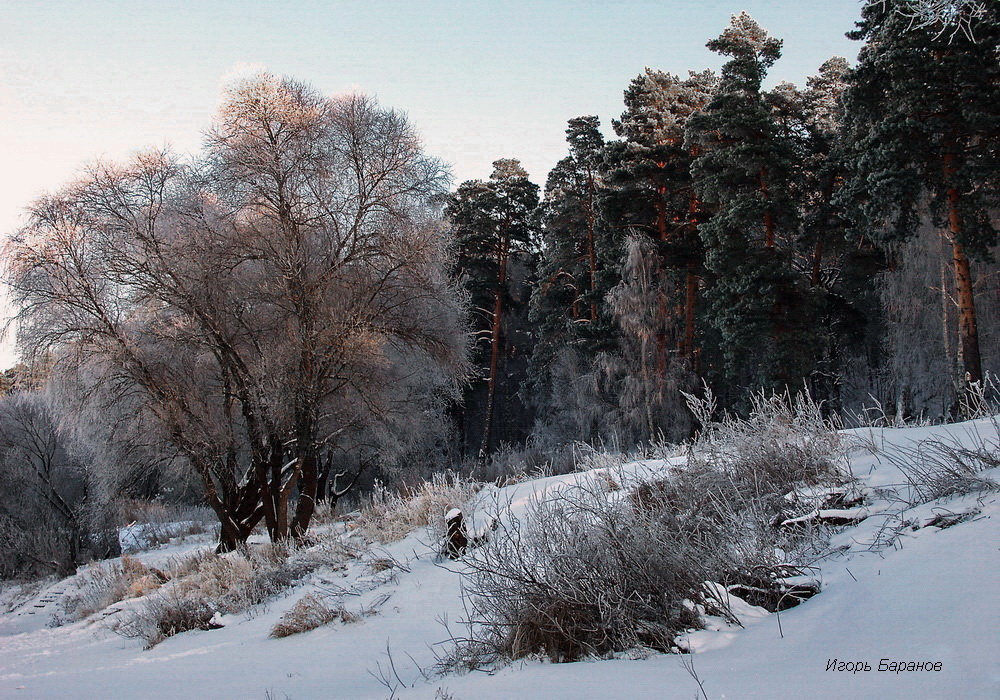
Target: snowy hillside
(905, 585)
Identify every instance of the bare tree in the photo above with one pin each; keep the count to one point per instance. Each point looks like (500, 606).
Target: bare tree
(51, 515)
(258, 306)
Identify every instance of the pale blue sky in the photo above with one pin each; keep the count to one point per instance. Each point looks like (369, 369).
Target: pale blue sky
(480, 80)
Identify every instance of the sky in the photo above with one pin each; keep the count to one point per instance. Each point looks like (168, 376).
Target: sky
(480, 79)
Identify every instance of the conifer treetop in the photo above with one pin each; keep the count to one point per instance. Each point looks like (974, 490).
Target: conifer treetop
(658, 104)
(584, 136)
(824, 95)
(745, 40)
(506, 168)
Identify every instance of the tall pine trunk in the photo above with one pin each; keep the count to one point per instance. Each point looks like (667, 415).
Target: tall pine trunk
(491, 381)
(591, 246)
(968, 331)
(768, 214)
(691, 288)
(662, 305)
(690, 303)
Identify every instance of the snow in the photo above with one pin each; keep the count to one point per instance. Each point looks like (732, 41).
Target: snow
(136, 537)
(893, 588)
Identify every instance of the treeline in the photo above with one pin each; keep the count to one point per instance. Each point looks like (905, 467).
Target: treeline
(838, 238)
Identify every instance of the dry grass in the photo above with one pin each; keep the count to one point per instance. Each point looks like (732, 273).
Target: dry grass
(205, 584)
(943, 467)
(107, 584)
(308, 613)
(391, 516)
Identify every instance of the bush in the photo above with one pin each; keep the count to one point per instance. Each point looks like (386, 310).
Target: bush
(784, 442)
(104, 585)
(613, 563)
(308, 613)
(580, 576)
(207, 583)
(164, 616)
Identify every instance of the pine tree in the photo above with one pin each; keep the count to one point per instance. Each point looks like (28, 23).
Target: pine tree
(822, 118)
(570, 273)
(652, 193)
(578, 265)
(744, 169)
(923, 131)
(496, 242)
(833, 266)
(838, 263)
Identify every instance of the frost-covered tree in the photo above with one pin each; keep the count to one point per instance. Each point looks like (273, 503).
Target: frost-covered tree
(943, 17)
(53, 516)
(258, 306)
(496, 241)
(648, 404)
(922, 131)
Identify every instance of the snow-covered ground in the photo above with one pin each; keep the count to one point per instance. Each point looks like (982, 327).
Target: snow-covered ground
(893, 589)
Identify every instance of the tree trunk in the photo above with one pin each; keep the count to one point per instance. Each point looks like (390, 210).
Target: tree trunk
(323, 479)
(491, 381)
(661, 214)
(278, 527)
(690, 304)
(306, 477)
(968, 332)
(591, 246)
(691, 286)
(817, 263)
(946, 316)
(662, 302)
(768, 214)
(306, 505)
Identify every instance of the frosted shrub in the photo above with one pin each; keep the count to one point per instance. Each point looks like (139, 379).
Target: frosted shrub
(164, 616)
(734, 521)
(207, 583)
(308, 613)
(391, 516)
(784, 442)
(107, 584)
(612, 564)
(580, 576)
